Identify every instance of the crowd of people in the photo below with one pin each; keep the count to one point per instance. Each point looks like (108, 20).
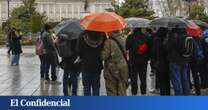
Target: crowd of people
(175, 58)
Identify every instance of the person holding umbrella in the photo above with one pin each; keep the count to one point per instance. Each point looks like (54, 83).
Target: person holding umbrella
(68, 33)
(159, 56)
(89, 50)
(179, 47)
(113, 50)
(179, 56)
(115, 63)
(197, 65)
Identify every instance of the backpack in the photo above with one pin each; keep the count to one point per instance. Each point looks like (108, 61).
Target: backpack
(141, 46)
(39, 47)
(186, 46)
(198, 53)
(64, 48)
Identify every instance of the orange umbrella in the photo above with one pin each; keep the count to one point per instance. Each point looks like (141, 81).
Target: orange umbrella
(103, 22)
(194, 30)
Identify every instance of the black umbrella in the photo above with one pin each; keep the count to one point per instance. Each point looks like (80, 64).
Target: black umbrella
(201, 23)
(169, 22)
(69, 29)
(137, 22)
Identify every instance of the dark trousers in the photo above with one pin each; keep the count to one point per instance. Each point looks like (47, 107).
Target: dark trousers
(50, 63)
(9, 50)
(164, 80)
(180, 78)
(42, 65)
(196, 77)
(68, 82)
(91, 83)
(203, 75)
(141, 70)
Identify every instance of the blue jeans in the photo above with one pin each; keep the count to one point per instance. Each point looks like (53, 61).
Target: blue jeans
(42, 65)
(196, 77)
(91, 83)
(15, 59)
(68, 82)
(50, 63)
(179, 78)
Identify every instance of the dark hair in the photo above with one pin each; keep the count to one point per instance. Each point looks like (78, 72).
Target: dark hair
(162, 32)
(95, 36)
(137, 31)
(47, 27)
(13, 28)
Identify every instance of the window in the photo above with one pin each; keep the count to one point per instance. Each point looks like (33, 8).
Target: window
(69, 9)
(4, 9)
(51, 8)
(63, 9)
(76, 8)
(44, 8)
(57, 9)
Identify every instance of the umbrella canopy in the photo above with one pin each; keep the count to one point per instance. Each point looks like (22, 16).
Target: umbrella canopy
(137, 22)
(69, 29)
(201, 23)
(169, 22)
(103, 22)
(194, 30)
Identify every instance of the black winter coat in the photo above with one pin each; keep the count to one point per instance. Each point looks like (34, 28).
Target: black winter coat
(171, 44)
(90, 56)
(130, 46)
(16, 45)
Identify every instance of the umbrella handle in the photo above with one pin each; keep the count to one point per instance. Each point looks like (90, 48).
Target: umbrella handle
(107, 35)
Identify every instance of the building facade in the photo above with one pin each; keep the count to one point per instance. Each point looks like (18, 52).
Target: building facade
(57, 10)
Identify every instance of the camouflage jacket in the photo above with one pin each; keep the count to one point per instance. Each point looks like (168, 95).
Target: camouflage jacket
(114, 61)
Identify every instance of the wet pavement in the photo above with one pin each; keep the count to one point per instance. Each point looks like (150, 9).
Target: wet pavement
(25, 78)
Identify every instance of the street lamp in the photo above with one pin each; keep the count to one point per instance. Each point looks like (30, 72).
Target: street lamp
(8, 3)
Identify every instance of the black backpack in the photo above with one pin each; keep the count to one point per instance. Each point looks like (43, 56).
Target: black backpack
(65, 48)
(185, 45)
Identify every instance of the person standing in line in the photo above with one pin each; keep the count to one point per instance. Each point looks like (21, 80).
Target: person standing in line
(50, 53)
(198, 65)
(205, 46)
(115, 65)
(15, 47)
(41, 55)
(69, 66)
(89, 50)
(159, 55)
(138, 47)
(179, 57)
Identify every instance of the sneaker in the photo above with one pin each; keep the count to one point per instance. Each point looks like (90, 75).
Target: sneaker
(55, 82)
(47, 81)
(152, 91)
